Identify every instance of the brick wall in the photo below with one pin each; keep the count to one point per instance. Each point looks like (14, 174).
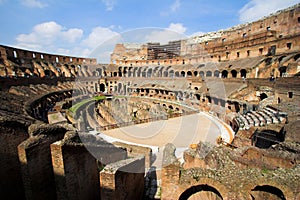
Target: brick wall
(123, 179)
(11, 135)
(36, 166)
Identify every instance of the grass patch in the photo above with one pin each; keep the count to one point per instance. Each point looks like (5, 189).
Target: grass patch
(75, 107)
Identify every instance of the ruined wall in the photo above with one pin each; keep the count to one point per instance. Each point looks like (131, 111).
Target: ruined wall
(12, 133)
(123, 179)
(135, 150)
(35, 158)
(25, 56)
(219, 177)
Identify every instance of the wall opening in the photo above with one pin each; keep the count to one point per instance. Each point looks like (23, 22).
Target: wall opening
(201, 192)
(267, 192)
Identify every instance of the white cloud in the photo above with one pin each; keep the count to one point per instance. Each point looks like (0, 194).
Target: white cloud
(48, 33)
(256, 9)
(110, 4)
(175, 6)
(172, 8)
(178, 27)
(34, 3)
(51, 37)
(173, 32)
(98, 36)
(72, 35)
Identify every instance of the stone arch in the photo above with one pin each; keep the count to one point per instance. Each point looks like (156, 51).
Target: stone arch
(177, 74)
(208, 74)
(233, 73)
(263, 96)
(216, 73)
(155, 71)
(160, 72)
(115, 74)
(149, 72)
(171, 73)
(139, 70)
(243, 73)
(102, 87)
(134, 73)
(267, 192)
(224, 74)
(296, 57)
(120, 74)
(182, 73)
(282, 70)
(95, 73)
(165, 73)
(189, 74)
(195, 73)
(144, 72)
(281, 58)
(201, 73)
(130, 72)
(194, 192)
(287, 192)
(99, 70)
(120, 87)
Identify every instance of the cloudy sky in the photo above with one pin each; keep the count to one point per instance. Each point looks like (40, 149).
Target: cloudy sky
(77, 28)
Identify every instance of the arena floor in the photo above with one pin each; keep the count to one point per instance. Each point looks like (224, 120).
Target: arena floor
(181, 131)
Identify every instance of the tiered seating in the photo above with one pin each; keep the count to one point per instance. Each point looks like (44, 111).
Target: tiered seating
(265, 116)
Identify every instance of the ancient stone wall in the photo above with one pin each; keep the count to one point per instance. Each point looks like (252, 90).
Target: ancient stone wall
(76, 169)
(26, 57)
(12, 133)
(123, 179)
(35, 158)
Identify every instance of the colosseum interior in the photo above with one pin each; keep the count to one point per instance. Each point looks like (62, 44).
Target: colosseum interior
(72, 128)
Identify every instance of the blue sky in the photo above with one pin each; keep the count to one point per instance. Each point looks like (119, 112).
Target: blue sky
(73, 27)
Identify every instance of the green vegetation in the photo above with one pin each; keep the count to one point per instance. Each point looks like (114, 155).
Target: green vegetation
(75, 107)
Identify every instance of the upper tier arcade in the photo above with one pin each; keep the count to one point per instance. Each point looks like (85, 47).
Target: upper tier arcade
(275, 34)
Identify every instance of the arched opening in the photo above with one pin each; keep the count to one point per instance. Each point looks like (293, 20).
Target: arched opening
(217, 73)
(233, 73)
(182, 73)
(120, 72)
(189, 74)
(201, 192)
(282, 71)
(281, 58)
(171, 73)
(120, 88)
(195, 73)
(102, 87)
(224, 74)
(267, 192)
(166, 73)
(263, 96)
(243, 73)
(176, 74)
(149, 72)
(208, 74)
(47, 73)
(115, 74)
(95, 73)
(296, 57)
(201, 73)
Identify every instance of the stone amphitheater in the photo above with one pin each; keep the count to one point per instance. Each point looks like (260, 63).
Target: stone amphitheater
(214, 116)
